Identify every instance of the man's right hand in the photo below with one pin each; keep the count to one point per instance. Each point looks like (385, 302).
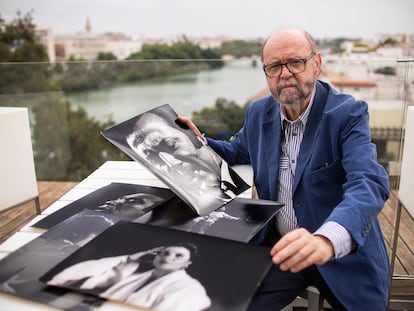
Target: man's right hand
(190, 125)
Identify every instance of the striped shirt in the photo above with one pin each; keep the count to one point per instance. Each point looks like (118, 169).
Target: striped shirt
(292, 134)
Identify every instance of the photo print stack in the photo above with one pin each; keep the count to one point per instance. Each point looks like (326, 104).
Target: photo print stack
(149, 246)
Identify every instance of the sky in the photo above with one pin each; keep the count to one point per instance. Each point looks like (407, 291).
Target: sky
(209, 18)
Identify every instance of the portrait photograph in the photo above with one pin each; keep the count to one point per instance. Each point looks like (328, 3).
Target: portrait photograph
(240, 219)
(127, 201)
(164, 269)
(183, 161)
(20, 271)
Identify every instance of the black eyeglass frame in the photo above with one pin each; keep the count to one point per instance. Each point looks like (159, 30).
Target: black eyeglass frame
(304, 60)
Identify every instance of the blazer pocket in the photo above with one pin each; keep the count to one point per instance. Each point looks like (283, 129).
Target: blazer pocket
(327, 171)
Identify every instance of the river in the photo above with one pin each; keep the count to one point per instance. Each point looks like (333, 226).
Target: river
(237, 80)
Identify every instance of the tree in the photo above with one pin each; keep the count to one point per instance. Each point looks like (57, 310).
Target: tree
(240, 48)
(18, 44)
(67, 143)
(106, 56)
(222, 121)
(389, 41)
(19, 37)
(387, 70)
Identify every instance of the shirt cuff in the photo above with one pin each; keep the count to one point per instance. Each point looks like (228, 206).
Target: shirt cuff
(339, 237)
(203, 140)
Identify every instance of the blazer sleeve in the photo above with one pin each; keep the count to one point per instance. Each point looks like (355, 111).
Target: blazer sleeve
(366, 185)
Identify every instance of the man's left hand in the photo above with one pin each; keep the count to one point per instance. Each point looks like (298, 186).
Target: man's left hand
(300, 249)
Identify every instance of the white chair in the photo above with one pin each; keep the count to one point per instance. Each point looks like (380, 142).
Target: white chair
(18, 182)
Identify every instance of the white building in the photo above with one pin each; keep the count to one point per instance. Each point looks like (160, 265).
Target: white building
(87, 45)
(122, 46)
(45, 36)
(81, 45)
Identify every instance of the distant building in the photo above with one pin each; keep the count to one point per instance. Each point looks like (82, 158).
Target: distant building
(45, 37)
(358, 89)
(87, 45)
(122, 46)
(82, 45)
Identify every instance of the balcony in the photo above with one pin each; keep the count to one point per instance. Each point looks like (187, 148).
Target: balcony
(69, 103)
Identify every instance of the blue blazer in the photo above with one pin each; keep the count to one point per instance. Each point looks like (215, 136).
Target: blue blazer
(337, 178)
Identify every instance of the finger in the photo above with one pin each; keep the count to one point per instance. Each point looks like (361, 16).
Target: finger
(299, 260)
(289, 249)
(315, 251)
(288, 239)
(190, 125)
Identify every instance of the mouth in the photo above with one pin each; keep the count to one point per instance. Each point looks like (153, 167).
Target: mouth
(286, 87)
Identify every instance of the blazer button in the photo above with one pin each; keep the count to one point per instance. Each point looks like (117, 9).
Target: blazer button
(364, 232)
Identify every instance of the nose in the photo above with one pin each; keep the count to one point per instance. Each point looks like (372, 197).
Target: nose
(285, 73)
(169, 257)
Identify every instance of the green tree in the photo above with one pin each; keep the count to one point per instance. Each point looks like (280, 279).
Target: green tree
(67, 144)
(240, 48)
(88, 148)
(182, 50)
(18, 44)
(387, 70)
(106, 56)
(221, 121)
(18, 41)
(389, 41)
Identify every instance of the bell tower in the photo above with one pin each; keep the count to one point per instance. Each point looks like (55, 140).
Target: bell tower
(88, 27)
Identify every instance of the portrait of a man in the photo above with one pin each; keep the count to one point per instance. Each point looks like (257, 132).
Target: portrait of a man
(195, 172)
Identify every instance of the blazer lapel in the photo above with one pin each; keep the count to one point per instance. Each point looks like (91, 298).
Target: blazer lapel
(272, 135)
(311, 133)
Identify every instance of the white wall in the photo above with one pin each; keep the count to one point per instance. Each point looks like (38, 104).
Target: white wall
(17, 171)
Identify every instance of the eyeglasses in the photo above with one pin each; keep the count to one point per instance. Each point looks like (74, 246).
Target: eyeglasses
(294, 65)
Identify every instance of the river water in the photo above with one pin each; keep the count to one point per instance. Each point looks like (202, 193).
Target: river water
(238, 80)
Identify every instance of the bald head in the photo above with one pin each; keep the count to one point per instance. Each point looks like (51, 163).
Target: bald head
(285, 37)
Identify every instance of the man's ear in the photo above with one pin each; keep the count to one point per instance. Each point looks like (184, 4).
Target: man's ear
(318, 63)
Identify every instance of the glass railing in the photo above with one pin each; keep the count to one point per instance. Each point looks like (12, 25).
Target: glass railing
(70, 103)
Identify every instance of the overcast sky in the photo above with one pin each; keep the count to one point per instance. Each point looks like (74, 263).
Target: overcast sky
(240, 18)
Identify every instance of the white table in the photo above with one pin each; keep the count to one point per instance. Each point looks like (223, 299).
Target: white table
(111, 171)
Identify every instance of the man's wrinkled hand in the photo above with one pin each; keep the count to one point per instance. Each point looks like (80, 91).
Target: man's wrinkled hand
(190, 125)
(299, 249)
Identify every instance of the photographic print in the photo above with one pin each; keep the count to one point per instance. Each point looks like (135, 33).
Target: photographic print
(128, 201)
(239, 220)
(179, 158)
(164, 269)
(20, 271)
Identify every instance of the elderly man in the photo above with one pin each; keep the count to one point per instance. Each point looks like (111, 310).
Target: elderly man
(310, 148)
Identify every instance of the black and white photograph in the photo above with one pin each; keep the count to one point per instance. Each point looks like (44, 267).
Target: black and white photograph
(239, 220)
(128, 201)
(20, 271)
(195, 172)
(164, 269)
